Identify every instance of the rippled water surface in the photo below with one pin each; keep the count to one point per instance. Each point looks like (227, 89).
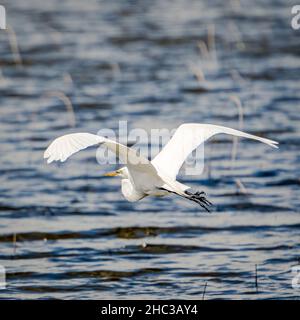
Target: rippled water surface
(65, 230)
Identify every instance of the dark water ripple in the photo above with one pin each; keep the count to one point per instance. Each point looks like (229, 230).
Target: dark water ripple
(66, 233)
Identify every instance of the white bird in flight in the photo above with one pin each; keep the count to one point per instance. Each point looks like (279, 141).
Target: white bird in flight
(141, 177)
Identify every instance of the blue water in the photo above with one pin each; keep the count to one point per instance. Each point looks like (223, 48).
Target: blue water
(66, 232)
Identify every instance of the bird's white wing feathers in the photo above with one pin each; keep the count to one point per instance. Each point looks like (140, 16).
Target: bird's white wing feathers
(63, 147)
(186, 139)
(142, 173)
(166, 164)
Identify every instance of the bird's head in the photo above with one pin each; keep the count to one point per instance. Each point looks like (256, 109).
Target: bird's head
(122, 172)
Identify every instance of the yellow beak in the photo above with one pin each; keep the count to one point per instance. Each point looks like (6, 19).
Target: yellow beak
(111, 174)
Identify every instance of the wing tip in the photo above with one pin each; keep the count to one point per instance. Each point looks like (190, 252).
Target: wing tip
(273, 144)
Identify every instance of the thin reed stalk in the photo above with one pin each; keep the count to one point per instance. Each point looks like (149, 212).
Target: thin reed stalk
(236, 100)
(256, 278)
(15, 243)
(197, 72)
(203, 49)
(211, 43)
(14, 46)
(67, 102)
(204, 291)
(241, 187)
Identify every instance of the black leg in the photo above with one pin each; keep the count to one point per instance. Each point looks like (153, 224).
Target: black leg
(198, 197)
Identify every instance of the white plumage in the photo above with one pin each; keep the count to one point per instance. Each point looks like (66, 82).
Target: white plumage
(140, 177)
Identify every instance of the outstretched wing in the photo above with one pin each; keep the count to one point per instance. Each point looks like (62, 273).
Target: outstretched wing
(65, 146)
(141, 169)
(186, 139)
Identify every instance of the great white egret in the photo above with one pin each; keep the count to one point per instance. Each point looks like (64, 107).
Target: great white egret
(141, 177)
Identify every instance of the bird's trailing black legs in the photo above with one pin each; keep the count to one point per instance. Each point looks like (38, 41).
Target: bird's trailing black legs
(198, 197)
